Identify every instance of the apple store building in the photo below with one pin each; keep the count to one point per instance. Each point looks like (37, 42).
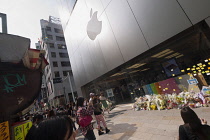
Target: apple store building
(130, 48)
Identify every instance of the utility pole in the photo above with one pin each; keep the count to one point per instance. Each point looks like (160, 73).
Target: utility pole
(72, 92)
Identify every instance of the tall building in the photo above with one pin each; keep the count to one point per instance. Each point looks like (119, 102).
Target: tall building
(129, 48)
(57, 80)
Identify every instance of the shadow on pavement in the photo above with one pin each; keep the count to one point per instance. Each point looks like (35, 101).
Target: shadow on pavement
(115, 113)
(122, 131)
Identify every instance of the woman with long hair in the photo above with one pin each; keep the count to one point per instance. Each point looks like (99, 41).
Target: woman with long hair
(194, 128)
(84, 115)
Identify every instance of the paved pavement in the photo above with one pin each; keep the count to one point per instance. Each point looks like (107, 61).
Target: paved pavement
(127, 124)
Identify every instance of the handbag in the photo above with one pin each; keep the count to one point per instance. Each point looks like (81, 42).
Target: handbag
(85, 121)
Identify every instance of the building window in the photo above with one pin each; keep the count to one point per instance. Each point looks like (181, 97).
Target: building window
(55, 64)
(57, 74)
(64, 55)
(48, 28)
(59, 38)
(58, 30)
(61, 46)
(65, 73)
(51, 45)
(65, 63)
(50, 37)
(53, 54)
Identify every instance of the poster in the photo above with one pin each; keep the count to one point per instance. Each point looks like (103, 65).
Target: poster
(26, 127)
(149, 89)
(18, 132)
(21, 130)
(109, 92)
(4, 131)
(171, 68)
(192, 81)
(154, 90)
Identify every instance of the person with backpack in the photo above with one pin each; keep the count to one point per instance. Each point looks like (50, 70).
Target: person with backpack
(84, 118)
(99, 117)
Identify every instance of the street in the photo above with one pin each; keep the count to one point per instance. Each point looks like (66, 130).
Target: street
(127, 124)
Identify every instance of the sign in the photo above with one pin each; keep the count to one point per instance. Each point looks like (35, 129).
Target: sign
(205, 90)
(57, 80)
(192, 81)
(21, 130)
(26, 127)
(109, 92)
(4, 131)
(18, 132)
(16, 83)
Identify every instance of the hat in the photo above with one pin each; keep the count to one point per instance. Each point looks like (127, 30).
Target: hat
(92, 94)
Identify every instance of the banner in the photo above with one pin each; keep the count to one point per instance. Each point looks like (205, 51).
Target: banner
(21, 130)
(4, 131)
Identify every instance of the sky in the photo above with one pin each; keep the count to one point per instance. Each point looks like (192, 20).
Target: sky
(23, 16)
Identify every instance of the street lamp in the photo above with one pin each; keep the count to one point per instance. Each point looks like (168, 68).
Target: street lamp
(67, 96)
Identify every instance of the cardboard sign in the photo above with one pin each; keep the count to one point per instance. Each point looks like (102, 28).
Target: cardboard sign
(18, 132)
(205, 90)
(192, 81)
(26, 127)
(4, 131)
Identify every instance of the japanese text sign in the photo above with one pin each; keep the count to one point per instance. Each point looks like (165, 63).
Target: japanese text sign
(4, 131)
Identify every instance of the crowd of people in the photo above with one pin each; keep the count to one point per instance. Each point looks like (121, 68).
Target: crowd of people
(60, 123)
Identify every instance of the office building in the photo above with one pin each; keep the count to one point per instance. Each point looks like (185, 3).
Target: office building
(56, 73)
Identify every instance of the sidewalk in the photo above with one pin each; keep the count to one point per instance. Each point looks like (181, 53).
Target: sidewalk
(127, 124)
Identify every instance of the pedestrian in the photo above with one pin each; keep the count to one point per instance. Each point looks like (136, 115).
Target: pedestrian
(104, 102)
(55, 128)
(50, 114)
(83, 119)
(194, 128)
(99, 117)
(74, 110)
(54, 110)
(91, 97)
(70, 109)
(86, 103)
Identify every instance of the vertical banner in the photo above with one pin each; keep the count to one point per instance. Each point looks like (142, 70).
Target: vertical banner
(158, 88)
(4, 131)
(18, 131)
(149, 89)
(153, 88)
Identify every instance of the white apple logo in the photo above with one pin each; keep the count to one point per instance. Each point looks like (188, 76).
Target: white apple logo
(94, 26)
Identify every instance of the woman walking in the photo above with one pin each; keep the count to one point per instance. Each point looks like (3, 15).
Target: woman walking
(104, 102)
(99, 116)
(84, 119)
